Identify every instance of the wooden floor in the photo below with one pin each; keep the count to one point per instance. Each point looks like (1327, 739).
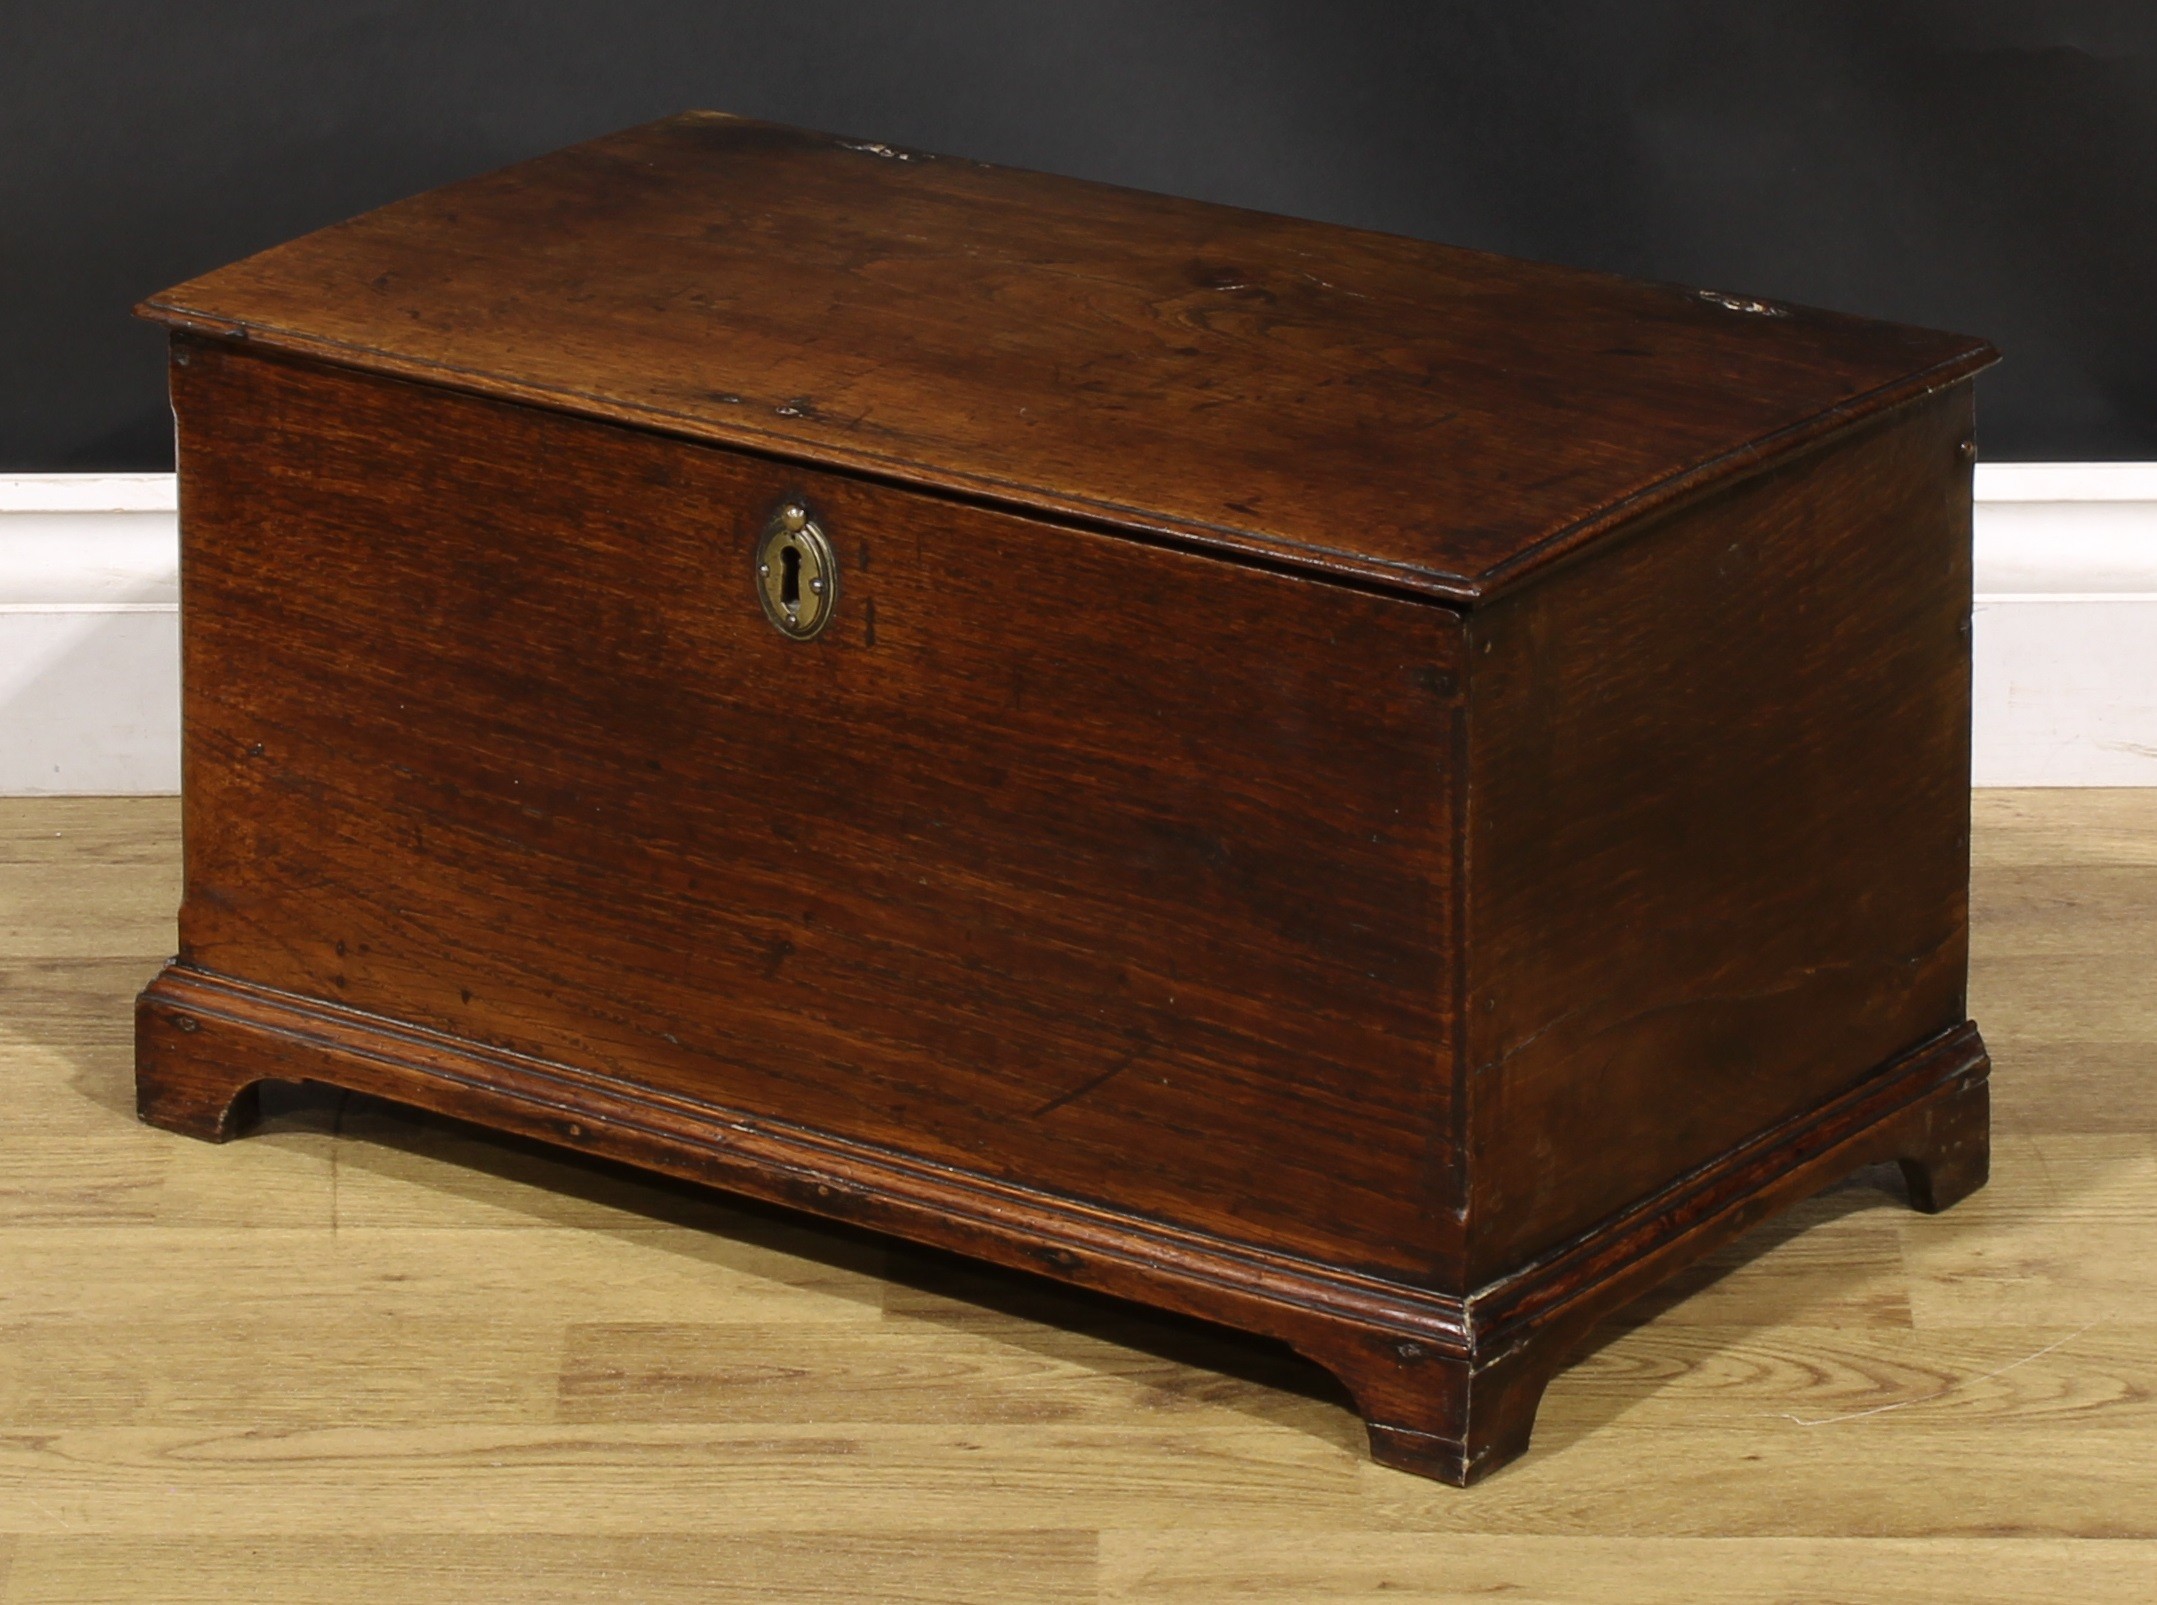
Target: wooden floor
(367, 1355)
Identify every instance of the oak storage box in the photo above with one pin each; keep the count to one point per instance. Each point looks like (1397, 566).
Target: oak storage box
(1382, 795)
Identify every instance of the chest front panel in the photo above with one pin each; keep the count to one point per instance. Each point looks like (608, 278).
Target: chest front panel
(1122, 871)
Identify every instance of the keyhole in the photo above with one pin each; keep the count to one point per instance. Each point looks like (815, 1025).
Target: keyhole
(796, 579)
(790, 577)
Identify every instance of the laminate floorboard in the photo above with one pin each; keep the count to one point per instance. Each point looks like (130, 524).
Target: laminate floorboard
(372, 1355)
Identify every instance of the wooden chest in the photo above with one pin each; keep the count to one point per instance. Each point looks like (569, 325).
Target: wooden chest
(1374, 793)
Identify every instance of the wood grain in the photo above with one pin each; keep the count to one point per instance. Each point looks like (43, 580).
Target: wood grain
(797, 1412)
(919, 1568)
(1127, 874)
(1619, 1571)
(1328, 933)
(1776, 677)
(1217, 377)
(1400, 982)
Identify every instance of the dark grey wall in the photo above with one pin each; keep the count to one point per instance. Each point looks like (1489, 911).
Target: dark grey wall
(1975, 164)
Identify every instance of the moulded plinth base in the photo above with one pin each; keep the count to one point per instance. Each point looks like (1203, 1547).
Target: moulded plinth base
(1448, 1386)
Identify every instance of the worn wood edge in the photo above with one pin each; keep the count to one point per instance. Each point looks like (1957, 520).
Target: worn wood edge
(1459, 1420)
(1223, 540)
(1706, 1206)
(1647, 507)
(1929, 1111)
(203, 1041)
(1271, 554)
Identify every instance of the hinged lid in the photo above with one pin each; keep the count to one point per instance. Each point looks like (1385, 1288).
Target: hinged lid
(1433, 420)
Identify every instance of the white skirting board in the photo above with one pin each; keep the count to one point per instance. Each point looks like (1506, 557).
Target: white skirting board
(89, 634)
(2065, 642)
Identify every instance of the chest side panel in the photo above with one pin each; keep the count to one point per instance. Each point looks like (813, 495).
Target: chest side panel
(1718, 824)
(1117, 871)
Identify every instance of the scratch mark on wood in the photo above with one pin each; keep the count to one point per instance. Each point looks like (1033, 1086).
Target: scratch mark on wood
(1954, 1387)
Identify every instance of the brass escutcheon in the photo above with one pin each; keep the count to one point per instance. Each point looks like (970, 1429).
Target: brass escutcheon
(797, 575)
